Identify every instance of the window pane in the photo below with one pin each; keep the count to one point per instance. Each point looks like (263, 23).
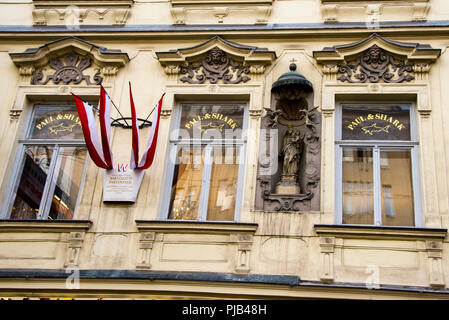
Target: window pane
(68, 174)
(32, 182)
(376, 123)
(397, 188)
(211, 122)
(358, 196)
(187, 182)
(56, 123)
(223, 184)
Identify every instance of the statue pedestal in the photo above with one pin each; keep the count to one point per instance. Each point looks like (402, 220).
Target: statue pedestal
(288, 185)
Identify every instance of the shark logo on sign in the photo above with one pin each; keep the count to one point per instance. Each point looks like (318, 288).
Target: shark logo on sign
(375, 129)
(60, 128)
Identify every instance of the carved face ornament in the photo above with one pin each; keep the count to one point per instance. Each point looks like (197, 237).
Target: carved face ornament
(375, 58)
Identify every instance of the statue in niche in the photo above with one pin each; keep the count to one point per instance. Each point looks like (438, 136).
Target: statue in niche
(291, 151)
(293, 133)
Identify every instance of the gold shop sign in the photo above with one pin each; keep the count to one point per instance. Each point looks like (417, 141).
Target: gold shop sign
(217, 121)
(56, 124)
(390, 123)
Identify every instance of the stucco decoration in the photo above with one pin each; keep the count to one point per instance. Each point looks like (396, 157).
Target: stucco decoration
(373, 11)
(69, 60)
(375, 65)
(68, 68)
(289, 168)
(216, 61)
(376, 60)
(79, 12)
(182, 10)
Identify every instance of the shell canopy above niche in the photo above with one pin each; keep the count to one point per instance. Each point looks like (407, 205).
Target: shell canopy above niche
(69, 60)
(216, 61)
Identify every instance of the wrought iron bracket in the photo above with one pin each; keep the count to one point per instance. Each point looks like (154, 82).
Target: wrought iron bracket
(122, 122)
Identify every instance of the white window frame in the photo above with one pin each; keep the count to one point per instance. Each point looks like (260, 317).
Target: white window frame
(176, 144)
(50, 182)
(377, 146)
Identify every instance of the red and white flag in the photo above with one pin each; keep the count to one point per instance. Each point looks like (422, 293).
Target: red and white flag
(105, 125)
(148, 156)
(100, 152)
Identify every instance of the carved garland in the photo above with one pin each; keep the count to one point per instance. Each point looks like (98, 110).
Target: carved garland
(375, 65)
(69, 69)
(214, 66)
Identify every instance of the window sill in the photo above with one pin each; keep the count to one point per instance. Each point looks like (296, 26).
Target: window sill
(376, 232)
(44, 225)
(195, 226)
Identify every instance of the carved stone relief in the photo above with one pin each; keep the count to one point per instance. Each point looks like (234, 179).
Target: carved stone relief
(68, 68)
(216, 65)
(376, 65)
(75, 13)
(216, 61)
(289, 166)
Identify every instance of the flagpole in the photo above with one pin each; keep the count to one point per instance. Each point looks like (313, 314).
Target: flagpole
(92, 105)
(116, 107)
(153, 109)
(150, 113)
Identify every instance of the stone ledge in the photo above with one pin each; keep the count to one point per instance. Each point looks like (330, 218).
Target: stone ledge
(44, 225)
(195, 226)
(376, 232)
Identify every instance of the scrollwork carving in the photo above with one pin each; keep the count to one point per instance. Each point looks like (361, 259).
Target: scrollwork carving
(68, 69)
(216, 65)
(376, 65)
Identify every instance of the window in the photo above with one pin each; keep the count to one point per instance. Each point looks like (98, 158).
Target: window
(206, 162)
(377, 165)
(50, 167)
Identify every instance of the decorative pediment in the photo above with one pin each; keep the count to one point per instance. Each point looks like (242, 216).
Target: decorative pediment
(68, 61)
(216, 60)
(376, 59)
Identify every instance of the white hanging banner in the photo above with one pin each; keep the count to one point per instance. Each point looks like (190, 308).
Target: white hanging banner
(122, 184)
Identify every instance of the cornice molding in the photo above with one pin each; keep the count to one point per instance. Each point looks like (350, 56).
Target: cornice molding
(40, 56)
(375, 59)
(413, 52)
(69, 57)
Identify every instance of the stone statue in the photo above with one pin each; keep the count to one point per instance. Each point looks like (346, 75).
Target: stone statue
(292, 151)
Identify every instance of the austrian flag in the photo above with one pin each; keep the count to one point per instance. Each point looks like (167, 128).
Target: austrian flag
(100, 153)
(148, 156)
(100, 150)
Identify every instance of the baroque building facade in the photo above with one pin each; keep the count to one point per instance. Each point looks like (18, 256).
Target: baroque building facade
(302, 149)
